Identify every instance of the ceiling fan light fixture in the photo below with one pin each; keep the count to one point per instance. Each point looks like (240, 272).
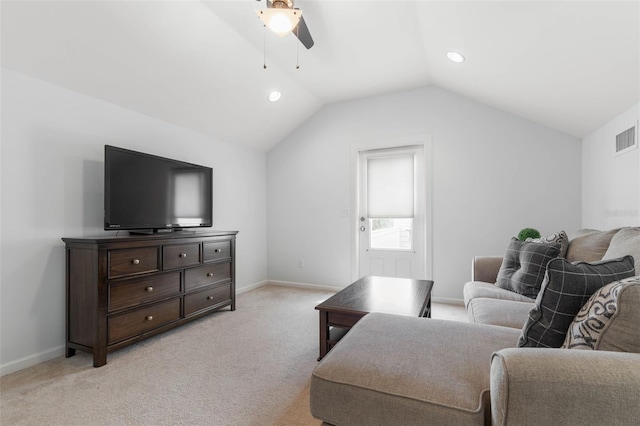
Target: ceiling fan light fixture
(455, 56)
(280, 21)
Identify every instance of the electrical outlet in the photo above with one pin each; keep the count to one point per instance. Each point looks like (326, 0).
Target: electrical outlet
(300, 263)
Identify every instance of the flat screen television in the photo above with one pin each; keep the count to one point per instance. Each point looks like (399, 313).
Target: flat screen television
(147, 193)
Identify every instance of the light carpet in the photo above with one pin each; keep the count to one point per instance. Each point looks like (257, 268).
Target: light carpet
(248, 367)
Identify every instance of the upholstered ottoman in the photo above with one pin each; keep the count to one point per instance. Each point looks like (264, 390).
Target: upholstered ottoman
(397, 370)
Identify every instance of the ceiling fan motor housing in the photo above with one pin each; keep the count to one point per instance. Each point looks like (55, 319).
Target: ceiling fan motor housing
(280, 4)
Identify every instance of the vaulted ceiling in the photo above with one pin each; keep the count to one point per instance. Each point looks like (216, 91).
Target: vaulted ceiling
(569, 65)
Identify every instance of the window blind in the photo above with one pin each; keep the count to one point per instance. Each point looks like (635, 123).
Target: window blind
(390, 182)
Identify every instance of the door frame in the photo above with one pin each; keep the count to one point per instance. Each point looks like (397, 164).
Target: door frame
(354, 164)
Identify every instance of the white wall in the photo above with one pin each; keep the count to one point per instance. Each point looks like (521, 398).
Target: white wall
(52, 186)
(493, 174)
(611, 183)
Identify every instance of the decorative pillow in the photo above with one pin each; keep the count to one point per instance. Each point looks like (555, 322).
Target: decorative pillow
(610, 320)
(589, 246)
(565, 290)
(523, 266)
(558, 238)
(625, 241)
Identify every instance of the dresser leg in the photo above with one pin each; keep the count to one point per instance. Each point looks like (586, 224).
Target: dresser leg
(69, 352)
(99, 358)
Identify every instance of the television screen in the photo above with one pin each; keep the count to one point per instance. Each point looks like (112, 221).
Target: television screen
(147, 192)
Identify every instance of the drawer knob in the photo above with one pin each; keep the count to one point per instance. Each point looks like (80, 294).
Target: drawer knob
(149, 317)
(183, 254)
(149, 289)
(209, 297)
(217, 251)
(136, 261)
(209, 274)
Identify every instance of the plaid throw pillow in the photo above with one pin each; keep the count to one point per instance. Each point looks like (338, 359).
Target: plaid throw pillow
(565, 290)
(523, 266)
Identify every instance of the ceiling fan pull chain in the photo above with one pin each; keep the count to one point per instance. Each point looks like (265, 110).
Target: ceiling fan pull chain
(297, 48)
(264, 47)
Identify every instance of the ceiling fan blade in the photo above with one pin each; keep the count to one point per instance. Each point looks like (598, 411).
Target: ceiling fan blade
(302, 32)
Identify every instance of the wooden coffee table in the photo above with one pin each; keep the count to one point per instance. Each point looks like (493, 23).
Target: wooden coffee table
(341, 311)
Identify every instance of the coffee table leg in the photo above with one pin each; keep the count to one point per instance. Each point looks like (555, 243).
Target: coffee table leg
(324, 333)
(427, 311)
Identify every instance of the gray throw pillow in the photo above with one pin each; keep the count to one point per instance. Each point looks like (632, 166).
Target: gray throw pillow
(625, 241)
(590, 246)
(565, 290)
(524, 265)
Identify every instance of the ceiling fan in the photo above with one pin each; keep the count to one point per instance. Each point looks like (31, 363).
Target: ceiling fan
(282, 18)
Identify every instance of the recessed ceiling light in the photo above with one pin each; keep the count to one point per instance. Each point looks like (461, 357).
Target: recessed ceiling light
(274, 96)
(455, 56)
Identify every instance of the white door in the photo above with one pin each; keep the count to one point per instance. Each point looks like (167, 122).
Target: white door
(392, 228)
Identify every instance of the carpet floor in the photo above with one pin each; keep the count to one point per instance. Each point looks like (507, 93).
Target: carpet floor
(248, 367)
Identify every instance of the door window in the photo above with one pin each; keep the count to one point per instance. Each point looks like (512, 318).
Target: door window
(391, 233)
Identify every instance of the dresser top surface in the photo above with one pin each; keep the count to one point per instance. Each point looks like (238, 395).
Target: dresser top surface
(125, 237)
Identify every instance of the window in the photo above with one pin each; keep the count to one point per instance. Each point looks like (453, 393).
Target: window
(391, 233)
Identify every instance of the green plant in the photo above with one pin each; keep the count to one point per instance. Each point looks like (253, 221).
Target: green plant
(528, 233)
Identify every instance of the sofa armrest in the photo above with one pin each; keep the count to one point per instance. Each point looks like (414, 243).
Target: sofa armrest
(564, 386)
(485, 268)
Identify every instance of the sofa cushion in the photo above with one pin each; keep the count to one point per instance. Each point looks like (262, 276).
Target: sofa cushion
(524, 265)
(565, 290)
(590, 246)
(557, 238)
(397, 370)
(506, 313)
(610, 320)
(625, 241)
(582, 231)
(478, 289)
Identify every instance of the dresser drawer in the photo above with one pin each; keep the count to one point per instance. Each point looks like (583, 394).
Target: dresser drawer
(135, 292)
(205, 299)
(206, 275)
(132, 261)
(216, 250)
(142, 319)
(180, 255)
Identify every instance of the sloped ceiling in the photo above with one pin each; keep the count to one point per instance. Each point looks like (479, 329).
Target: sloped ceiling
(569, 65)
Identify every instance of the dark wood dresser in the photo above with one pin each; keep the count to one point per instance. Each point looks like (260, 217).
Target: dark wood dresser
(123, 289)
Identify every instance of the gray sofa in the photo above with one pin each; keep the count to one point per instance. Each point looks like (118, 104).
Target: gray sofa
(487, 303)
(394, 370)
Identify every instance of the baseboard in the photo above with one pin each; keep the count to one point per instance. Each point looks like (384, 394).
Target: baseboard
(443, 300)
(448, 301)
(31, 360)
(244, 289)
(304, 285)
